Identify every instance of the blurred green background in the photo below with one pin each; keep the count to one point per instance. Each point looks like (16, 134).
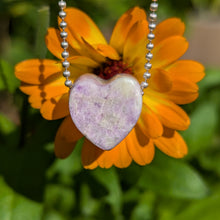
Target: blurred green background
(34, 185)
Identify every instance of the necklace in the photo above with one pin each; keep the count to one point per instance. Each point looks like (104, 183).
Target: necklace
(105, 111)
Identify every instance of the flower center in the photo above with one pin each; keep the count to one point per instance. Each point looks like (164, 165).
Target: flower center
(111, 68)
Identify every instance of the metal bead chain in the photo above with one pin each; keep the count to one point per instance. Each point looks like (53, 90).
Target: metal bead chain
(64, 43)
(152, 25)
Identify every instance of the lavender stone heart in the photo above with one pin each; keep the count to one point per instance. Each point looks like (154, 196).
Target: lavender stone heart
(105, 111)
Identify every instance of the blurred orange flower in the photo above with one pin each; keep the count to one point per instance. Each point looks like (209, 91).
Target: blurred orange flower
(173, 82)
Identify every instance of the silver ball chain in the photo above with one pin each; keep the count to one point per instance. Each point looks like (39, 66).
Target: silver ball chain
(64, 43)
(152, 25)
(150, 45)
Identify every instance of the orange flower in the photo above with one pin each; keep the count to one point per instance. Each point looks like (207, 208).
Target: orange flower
(173, 82)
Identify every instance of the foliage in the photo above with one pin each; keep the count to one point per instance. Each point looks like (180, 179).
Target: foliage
(35, 185)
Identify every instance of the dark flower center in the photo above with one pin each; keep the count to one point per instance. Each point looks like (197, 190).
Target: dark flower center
(111, 68)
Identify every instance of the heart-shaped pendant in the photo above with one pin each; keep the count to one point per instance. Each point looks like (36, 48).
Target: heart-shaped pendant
(105, 111)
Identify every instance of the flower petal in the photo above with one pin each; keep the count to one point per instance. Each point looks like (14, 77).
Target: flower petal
(82, 61)
(53, 41)
(82, 26)
(160, 80)
(188, 69)
(80, 65)
(118, 156)
(106, 159)
(171, 115)
(83, 35)
(66, 138)
(168, 51)
(172, 144)
(90, 154)
(168, 28)
(108, 51)
(47, 90)
(53, 85)
(134, 47)
(90, 51)
(35, 71)
(76, 46)
(36, 102)
(183, 91)
(55, 108)
(124, 25)
(140, 147)
(149, 123)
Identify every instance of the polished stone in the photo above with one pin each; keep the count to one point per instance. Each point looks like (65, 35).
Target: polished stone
(105, 111)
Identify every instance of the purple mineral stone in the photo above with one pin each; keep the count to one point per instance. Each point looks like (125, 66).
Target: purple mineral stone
(105, 111)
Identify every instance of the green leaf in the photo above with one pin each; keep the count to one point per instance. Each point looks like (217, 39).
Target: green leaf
(6, 125)
(172, 177)
(211, 79)
(43, 24)
(7, 76)
(52, 215)
(204, 121)
(24, 170)
(144, 209)
(24, 165)
(131, 195)
(19, 50)
(210, 160)
(109, 179)
(206, 209)
(21, 8)
(9, 133)
(67, 168)
(60, 197)
(88, 205)
(16, 207)
(2, 81)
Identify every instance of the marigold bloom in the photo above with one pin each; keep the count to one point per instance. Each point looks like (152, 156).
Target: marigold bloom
(173, 82)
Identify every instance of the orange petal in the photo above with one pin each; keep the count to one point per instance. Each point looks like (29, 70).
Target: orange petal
(35, 71)
(138, 67)
(55, 108)
(183, 91)
(90, 51)
(188, 69)
(107, 51)
(171, 115)
(172, 144)
(81, 25)
(140, 147)
(106, 160)
(81, 32)
(66, 138)
(53, 85)
(36, 101)
(118, 156)
(83, 47)
(80, 65)
(168, 51)
(168, 28)
(124, 25)
(90, 155)
(160, 80)
(47, 90)
(53, 41)
(81, 61)
(149, 123)
(134, 47)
